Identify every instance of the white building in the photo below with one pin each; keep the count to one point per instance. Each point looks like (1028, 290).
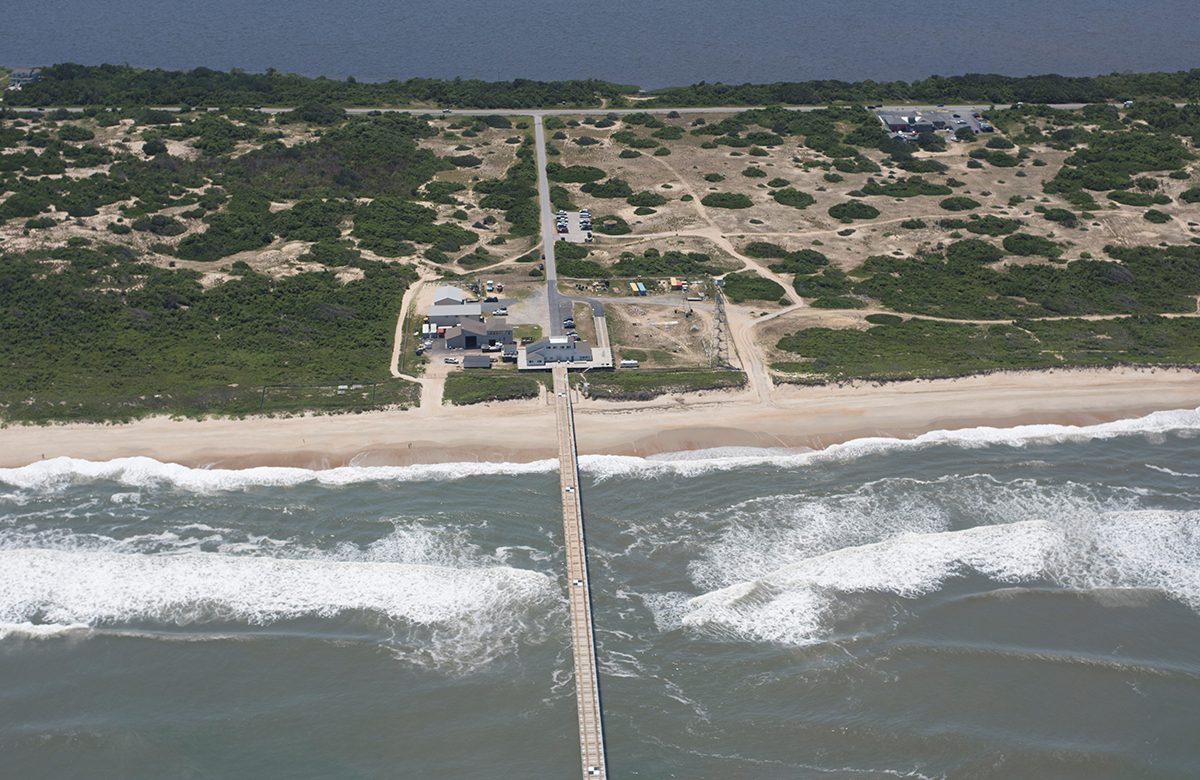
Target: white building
(556, 349)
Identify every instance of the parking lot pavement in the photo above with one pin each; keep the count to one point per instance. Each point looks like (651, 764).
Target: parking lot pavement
(575, 232)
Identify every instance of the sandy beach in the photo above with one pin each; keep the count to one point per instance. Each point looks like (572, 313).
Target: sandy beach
(811, 417)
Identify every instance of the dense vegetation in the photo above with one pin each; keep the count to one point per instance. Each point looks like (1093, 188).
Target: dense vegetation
(70, 84)
(650, 264)
(642, 385)
(962, 285)
(973, 88)
(749, 286)
(77, 85)
(481, 386)
(140, 339)
(919, 348)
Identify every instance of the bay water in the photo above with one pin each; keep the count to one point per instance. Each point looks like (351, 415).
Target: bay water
(650, 44)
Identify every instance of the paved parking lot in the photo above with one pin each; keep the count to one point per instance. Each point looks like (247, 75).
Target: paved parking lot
(575, 233)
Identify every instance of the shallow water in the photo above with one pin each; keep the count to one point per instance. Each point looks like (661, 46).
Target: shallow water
(648, 44)
(985, 603)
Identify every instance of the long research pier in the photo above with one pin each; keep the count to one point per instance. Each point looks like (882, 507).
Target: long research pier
(583, 642)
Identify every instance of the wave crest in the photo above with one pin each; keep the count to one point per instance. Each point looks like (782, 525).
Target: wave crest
(1154, 549)
(442, 616)
(142, 472)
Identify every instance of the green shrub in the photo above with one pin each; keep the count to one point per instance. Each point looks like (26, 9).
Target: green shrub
(831, 282)
(1190, 195)
(160, 225)
(959, 203)
(764, 249)
(727, 200)
(716, 177)
(1061, 216)
(629, 154)
(884, 319)
(1156, 216)
(612, 225)
(120, 228)
(852, 210)
(473, 387)
(904, 188)
(749, 286)
(582, 269)
(754, 172)
(778, 182)
(973, 250)
(1025, 245)
(613, 188)
(836, 302)
(576, 174)
(913, 224)
(1138, 198)
(789, 196)
(990, 225)
(75, 133)
(645, 198)
(922, 166)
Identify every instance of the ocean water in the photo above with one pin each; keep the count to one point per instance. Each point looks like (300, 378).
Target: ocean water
(651, 44)
(988, 603)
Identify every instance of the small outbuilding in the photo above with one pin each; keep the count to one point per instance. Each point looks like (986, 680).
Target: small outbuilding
(477, 361)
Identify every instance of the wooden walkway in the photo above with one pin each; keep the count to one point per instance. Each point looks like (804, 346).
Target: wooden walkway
(583, 642)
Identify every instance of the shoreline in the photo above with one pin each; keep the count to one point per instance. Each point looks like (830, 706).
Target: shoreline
(524, 431)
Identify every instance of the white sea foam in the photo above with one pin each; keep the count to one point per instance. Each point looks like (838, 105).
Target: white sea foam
(43, 630)
(1172, 472)
(141, 472)
(445, 616)
(1154, 549)
(764, 534)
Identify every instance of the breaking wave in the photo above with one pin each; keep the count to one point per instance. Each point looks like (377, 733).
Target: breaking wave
(429, 600)
(1154, 549)
(142, 472)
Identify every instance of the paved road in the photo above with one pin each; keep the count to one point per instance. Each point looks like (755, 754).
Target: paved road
(549, 234)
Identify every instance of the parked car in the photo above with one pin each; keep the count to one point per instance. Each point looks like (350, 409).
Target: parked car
(451, 360)
(501, 312)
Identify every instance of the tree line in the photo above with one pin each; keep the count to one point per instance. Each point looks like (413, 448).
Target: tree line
(114, 85)
(71, 84)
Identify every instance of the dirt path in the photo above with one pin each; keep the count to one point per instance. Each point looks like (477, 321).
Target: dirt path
(714, 233)
(431, 386)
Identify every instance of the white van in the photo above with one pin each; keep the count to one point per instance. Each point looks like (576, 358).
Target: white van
(630, 364)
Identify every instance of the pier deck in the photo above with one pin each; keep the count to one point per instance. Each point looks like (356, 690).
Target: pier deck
(583, 644)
